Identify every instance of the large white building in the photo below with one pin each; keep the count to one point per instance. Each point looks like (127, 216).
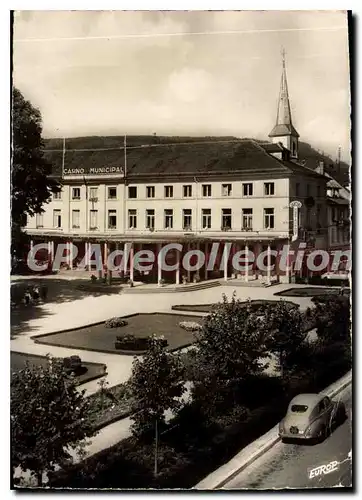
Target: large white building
(194, 191)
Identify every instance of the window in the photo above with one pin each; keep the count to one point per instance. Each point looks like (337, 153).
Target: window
(187, 191)
(57, 218)
(57, 196)
(268, 188)
(112, 219)
(150, 219)
(308, 217)
(297, 189)
(93, 219)
(112, 193)
(247, 189)
(132, 218)
(75, 219)
(206, 218)
(268, 218)
(93, 194)
(168, 191)
(187, 218)
(226, 219)
(39, 220)
(132, 192)
(308, 190)
(168, 218)
(318, 191)
(76, 194)
(299, 408)
(247, 218)
(206, 190)
(226, 190)
(150, 191)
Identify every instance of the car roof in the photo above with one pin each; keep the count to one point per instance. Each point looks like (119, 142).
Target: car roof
(307, 399)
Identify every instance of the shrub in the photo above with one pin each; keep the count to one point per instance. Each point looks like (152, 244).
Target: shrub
(72, 364)
(115, 323)
(190, 326)
(93, 278)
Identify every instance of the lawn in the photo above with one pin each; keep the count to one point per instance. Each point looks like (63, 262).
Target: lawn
(91, 371)
(99, 338)
(311, 292)
(208, 308)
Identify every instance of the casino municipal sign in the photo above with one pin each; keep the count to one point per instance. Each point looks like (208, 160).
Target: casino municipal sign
(93, 171)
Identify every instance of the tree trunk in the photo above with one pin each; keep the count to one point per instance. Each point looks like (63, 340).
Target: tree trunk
(39, 478)
(281, 362)
(155, 472)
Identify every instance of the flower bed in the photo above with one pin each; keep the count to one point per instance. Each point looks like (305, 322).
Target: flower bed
(115, 323)
(109, 406)
(84, 373)
(190, 326)
(311, 292)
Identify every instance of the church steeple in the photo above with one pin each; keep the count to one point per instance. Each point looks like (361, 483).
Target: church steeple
(284, 130)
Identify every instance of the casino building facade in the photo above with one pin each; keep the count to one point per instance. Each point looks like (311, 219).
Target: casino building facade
(145, 192)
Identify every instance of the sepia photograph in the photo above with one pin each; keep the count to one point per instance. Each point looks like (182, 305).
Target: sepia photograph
(181, 252)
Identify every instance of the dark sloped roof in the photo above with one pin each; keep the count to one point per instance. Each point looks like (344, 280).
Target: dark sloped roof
(272, 147)
(283, 129)
(337, 201)
(149, 156)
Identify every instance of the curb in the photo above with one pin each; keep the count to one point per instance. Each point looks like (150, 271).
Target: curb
(272, 440)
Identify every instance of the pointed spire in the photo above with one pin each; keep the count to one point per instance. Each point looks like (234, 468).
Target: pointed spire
(284, 116)
(284, 125)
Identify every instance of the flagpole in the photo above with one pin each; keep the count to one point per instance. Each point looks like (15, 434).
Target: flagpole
(125, 186)
(63, 156)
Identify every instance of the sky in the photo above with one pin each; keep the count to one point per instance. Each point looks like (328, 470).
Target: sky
(185, 72)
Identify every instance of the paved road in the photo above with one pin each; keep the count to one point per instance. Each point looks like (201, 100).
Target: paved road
(288, 465)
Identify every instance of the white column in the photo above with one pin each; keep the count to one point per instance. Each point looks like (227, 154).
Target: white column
(159, 268)
(52, 249)
(105, 253)
(287, 268)
(188, 271)
(206, 258)
(246, 263)
(69, 256)
(31, 245)
(125, 258)
(225, 257)
(178, 255)
(268, 264)
(198, 249)
(86, 256)
(131, 270)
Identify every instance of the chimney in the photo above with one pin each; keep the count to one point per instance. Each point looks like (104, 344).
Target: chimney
(320, 168)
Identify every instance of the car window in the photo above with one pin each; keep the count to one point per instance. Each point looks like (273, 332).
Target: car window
(327, 402)
(321, 406)
(299, 408)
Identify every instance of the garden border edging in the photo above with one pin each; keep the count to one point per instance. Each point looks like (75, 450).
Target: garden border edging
(228, 471)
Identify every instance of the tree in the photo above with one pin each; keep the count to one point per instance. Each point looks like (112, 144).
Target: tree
(230, 346)
(31, 186)
(155, 386)
(332, 314)
(286, 332)
(48, 415)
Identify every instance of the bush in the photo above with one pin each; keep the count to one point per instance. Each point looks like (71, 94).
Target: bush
(72, 364)
(190, 326)
(115, 323)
